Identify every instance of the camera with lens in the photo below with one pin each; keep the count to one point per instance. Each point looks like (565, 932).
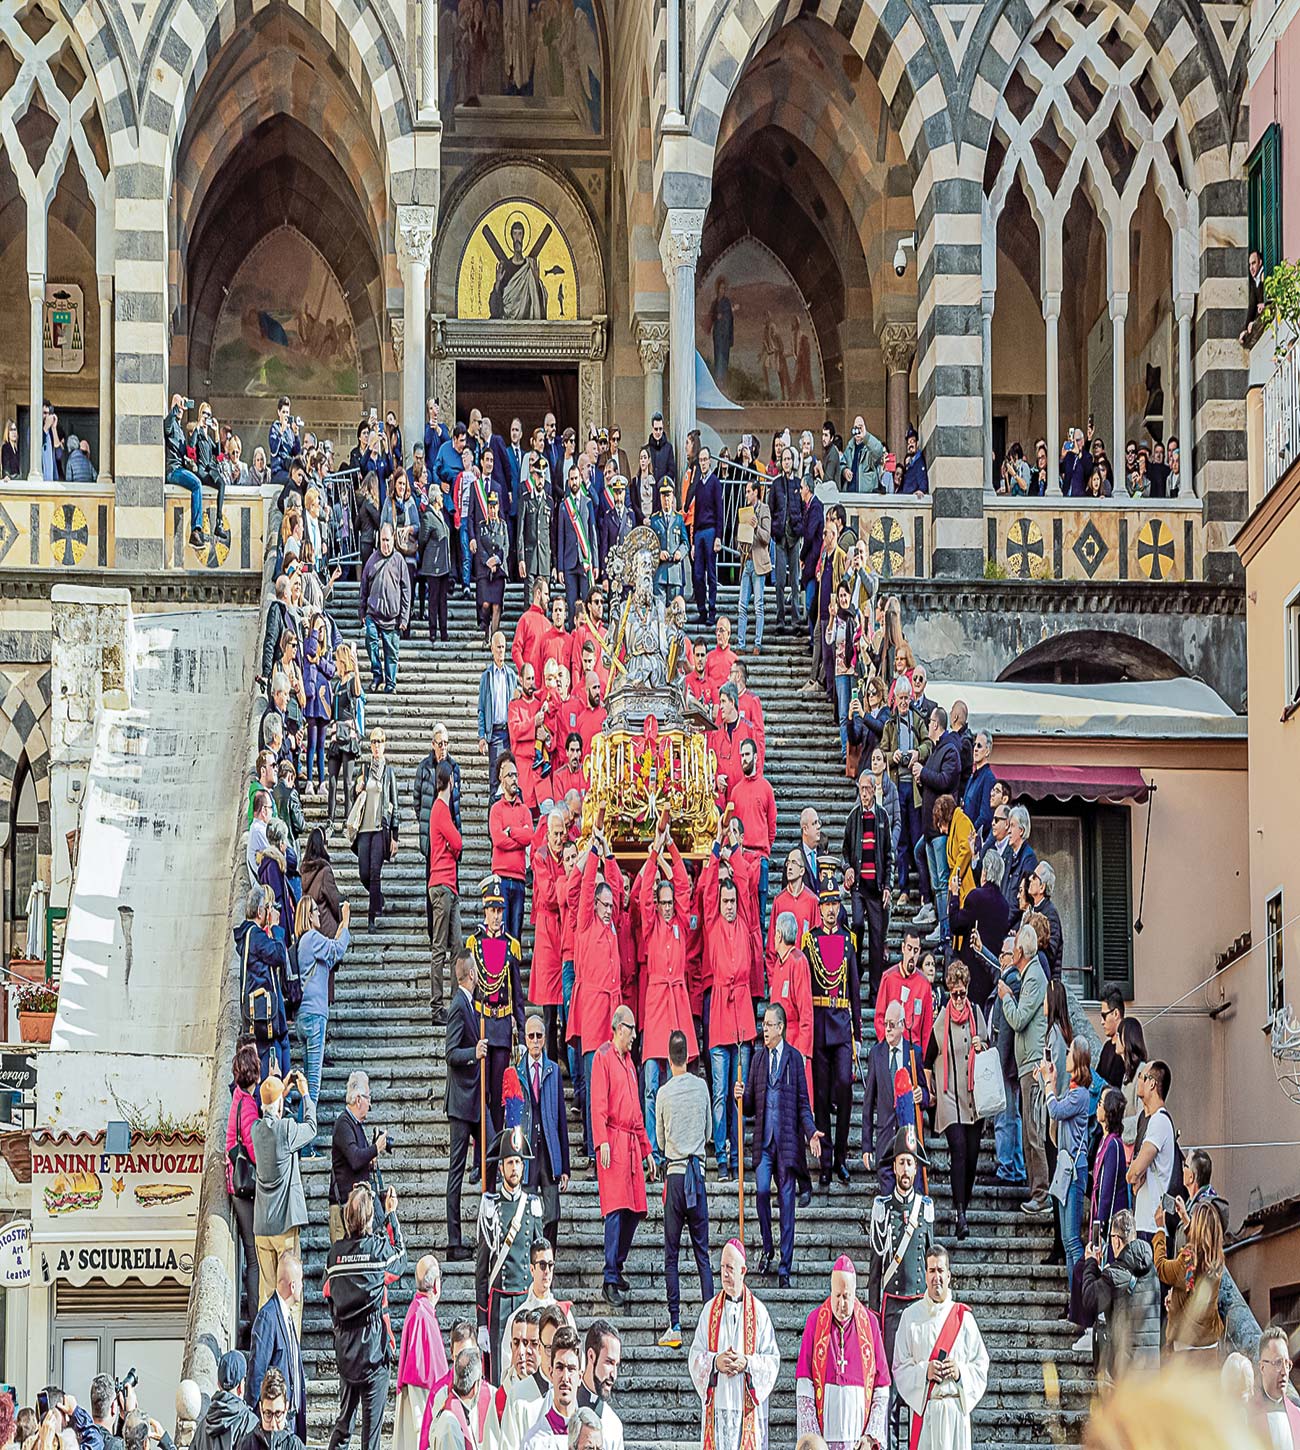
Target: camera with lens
(187, 404)
(293, 1097)
(389, 1139)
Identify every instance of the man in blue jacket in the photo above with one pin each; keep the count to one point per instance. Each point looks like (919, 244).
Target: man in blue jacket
(283, 443)
(707, 497)
(575, 554)
(435, 432)
(776, 1098)
(545, 1125)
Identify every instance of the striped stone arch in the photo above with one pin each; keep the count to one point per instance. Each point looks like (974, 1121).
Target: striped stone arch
(24, 733)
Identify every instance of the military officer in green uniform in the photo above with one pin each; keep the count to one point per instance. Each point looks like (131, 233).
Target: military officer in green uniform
(509, 1223)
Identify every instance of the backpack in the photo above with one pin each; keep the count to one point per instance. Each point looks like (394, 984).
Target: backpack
(1176, 1187)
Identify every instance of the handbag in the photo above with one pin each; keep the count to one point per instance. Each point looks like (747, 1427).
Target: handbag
(243, 1171)
(1059, 1187)
(990, 1089)
(352, 825)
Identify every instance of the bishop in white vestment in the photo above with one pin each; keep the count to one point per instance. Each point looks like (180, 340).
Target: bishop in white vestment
(734, 1361)
(941, 1367)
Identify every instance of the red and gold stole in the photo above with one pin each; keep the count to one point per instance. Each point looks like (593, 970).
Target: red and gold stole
(821, 1349)
(749, 1330)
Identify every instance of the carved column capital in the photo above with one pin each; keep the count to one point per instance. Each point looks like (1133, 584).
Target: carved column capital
(898, 346)
(397, 326)
(652, 344)
(415, 226)
(679, 242)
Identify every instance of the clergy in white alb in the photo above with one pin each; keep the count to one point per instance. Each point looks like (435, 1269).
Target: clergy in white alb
(842, 1384)
(457, 1425)
(941, 1367)
(734, 1361)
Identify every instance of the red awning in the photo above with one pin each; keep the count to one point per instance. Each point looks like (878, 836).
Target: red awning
(1071, 782)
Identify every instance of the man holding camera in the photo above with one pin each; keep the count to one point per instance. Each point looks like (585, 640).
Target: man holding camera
(111, 1401)
(352, 1156)
(279, 1204)
(283, 444)
(360, 1267)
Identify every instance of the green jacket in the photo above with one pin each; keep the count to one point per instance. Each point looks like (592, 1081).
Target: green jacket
(1025, 1016)
(889, 743)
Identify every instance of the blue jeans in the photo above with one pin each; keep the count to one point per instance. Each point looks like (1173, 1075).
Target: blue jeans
(1072, 1220)
(382, 646)
(655, 1071)
(183, 478)
(465, 556)
(705, 568)
(311, 1028)
(936, 856)
(567, 977)
(810, 606)
(1006, 1135)
(769, 1167)
(764, 868)
(587, 1059)
(843, 693)
(753, 586)
(619, 1228)
(513, 891)
(722, 1074)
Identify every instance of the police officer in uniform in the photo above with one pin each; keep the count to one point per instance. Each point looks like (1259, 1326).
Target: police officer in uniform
(837, 1024)
(899, 1236)
(509, 1223)
(498, 997)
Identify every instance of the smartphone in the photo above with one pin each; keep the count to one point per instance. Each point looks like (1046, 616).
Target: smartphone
(1094, 1235)
(1170, 1204)
(42, 1404)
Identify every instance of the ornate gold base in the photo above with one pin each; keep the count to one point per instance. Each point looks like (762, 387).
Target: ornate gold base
(634, 779)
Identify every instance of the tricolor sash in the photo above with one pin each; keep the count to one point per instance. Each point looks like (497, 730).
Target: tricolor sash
(580, 531)
(748, 1336)
(947, 1338)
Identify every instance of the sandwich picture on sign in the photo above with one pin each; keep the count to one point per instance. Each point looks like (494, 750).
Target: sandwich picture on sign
(73, 1192)
(153, 1195)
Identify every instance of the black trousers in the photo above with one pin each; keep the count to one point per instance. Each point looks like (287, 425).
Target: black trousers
(372, 852)
(498, 1059)
(248, 1305)
(439, 590)
(869, 910)
(832, 1072)
(461, 1134)
(676, 1217)
(964, 1147)
(339, 762)
(371, 1395)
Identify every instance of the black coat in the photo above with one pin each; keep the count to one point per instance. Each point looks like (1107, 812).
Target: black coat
(851, 849)
(426, 792)
(940, 775)
(432, 543)
(278, 621)
(987, 909)
(224, 1424)
(351, 1156)
(1055, 948)
(794, 1119)
(461, 1099)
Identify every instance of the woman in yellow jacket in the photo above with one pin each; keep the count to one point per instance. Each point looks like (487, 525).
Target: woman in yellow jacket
(951, 821)
(1193, 1277)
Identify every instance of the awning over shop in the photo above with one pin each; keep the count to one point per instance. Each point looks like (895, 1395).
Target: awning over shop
(1074, 782)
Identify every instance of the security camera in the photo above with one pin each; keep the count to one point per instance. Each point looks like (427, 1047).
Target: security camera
(905, 244)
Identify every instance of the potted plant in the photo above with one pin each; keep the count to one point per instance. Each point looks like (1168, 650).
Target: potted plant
(37, 1004)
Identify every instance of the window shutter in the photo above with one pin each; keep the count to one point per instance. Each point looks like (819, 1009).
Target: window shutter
(1115, 898)
(1264, 201)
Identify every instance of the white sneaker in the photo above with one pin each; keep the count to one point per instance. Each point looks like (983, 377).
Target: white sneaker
(926, 916)
(1084, 1342)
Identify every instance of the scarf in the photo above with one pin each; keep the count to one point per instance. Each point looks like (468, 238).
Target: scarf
(964, 1017)
(748, 1336)
(821, 1349)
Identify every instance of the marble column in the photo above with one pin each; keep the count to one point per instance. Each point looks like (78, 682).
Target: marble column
(105, 459)
(987, 300)
(679, 248)
(429, 62)
(1184, 310)
(414, 246)
(673, 116)
(652, 344)
(36, 392)
(898, 348)
(1052, 317)
(1118, 381)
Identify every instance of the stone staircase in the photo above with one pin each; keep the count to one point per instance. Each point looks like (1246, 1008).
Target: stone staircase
(1038, 1386)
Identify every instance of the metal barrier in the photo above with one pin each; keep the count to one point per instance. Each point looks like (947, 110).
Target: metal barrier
(343, 488)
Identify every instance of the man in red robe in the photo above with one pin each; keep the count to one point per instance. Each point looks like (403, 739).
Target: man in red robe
(720, 659)
(725, 741)
(665, 918)
(753, 801)
(597, 962)
(568, 775)
(525, 715)
(591, 719)
(622, 1148)
(751, 709)
(589, 629)
(532, 629)
(728, 955)
(558, 642)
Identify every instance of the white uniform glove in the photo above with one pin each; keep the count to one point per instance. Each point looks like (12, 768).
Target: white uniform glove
(483, 1339)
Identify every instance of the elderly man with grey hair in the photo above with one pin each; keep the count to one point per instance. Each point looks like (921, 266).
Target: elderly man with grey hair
(1040, 884)
(1024, 1014)
(1021, 856)
(385, 609)
(421, 1360)
(352, 1154)
(585, 1432)
(456, 1425)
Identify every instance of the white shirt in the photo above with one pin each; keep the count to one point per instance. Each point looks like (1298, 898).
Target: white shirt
(1160, 1133)
(1278, 1424)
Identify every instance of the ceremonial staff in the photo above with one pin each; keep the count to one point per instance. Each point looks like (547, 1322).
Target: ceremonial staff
(740, 1144)
(916, 1113)
(482, 1105)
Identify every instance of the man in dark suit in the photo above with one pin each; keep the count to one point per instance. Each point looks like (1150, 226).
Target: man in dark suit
(867, 853)
(464, 1052)
(352, 1154)
(509, 470)
(275, 1342)
(879, 1093)
(776, 1097)
(546, 1173)
(575, 542)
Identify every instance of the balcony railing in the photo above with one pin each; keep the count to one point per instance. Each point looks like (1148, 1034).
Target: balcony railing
(1282, 418)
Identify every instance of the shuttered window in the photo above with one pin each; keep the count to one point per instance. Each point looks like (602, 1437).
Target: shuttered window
(1264, 187)
(1113, 899)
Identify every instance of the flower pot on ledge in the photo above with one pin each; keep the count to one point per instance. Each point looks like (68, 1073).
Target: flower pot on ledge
(36, 1026)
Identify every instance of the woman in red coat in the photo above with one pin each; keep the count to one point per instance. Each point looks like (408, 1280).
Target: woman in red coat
(621, 1147)
(665, 917)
